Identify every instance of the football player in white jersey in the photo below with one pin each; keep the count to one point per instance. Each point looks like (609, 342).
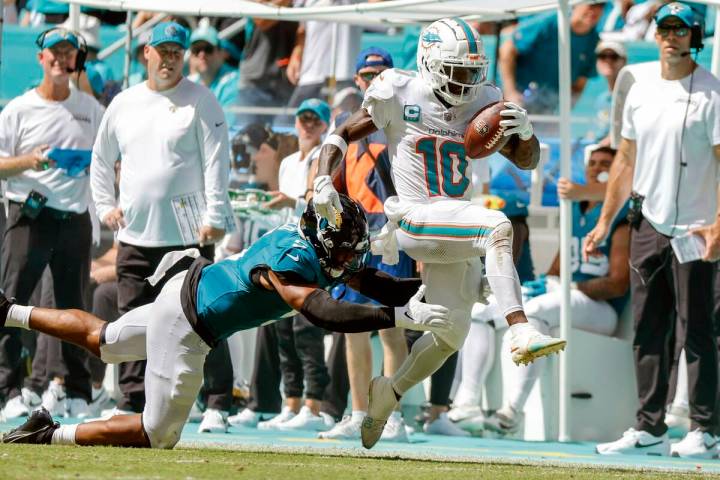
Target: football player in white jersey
(424, 115)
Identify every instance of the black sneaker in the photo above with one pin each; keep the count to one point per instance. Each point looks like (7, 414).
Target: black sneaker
(38, 429)
(4, 308)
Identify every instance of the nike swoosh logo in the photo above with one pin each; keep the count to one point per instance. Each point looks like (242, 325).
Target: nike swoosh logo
(640, 445)
(296, 258)
(408, 316)
(218, 124)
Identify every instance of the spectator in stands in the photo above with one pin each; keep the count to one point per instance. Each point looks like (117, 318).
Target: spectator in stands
(611, 57)
(525, 56)
(39, 12)
(310, 68)
(172, 141)
(597, 298)
(669, 157)
(263, 81)
(207, 64)
(48, 221)
(354, 359)
(10, 13)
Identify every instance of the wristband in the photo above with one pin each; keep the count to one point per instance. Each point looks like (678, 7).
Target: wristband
(337, 141)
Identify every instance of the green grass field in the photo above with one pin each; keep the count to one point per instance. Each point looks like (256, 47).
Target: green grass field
(31, 462)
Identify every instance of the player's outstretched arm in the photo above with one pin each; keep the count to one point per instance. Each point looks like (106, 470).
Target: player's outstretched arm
(385, 288)
(358, 126)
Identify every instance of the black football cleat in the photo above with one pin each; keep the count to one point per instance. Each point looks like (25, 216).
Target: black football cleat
(37, 429)
(4, 308)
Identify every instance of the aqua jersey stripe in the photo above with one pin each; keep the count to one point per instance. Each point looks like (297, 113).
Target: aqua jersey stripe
(472, 44)
(456, 231)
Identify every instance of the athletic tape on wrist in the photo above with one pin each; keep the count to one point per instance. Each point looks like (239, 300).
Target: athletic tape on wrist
(337, 141)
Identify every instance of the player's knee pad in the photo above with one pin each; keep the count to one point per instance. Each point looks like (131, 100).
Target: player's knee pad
(124, 340)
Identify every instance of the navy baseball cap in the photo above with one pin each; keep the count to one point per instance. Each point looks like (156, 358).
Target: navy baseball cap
(169, 32)
(56, 35)
(316, 106)
(362, 59)
(679, 10)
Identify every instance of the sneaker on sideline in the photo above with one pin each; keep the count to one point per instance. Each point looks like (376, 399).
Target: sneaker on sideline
(54, 399)
(395, 429)
(249, 418)
(696, 444)
(213, 421)
(462, 412)
(473, 425)
(307, 420)
(382, 402)
(527, 344)
(100, 401)
(273, 423)
(31, 399)
(677, 420)
(77, 408)
(504, 421)
(15, 408)
(109, 413)
(347, 429)
(636, 442)
(443, 426)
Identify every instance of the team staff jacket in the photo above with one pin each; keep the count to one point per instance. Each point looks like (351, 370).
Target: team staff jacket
(223, 298)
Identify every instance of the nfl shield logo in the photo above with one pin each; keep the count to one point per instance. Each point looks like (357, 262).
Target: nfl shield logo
(411, 113)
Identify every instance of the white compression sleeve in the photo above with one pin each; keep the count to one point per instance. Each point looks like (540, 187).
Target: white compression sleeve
(500, 269)
(478, 355)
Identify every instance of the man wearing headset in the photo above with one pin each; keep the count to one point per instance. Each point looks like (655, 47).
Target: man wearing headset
(48, 221)
(669, 158)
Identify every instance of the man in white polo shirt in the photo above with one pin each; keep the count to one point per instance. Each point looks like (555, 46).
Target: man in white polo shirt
(171, 138)
(48, 221)
(669, 156)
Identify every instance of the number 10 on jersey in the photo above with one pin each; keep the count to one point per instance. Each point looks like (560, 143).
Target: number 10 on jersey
(446, 177)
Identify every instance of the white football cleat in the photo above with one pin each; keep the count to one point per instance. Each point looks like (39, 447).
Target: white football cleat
(307, 420)
(273, 423)
(213, 421)
(395, 429)
(527, 344)
(54, 399)
(382, 402)
(15, 408)
(504, 421)
(677, 420)
(636, 442)
(443, 426)
(247, 418)
(696, 444)
(461, 412)
(347, 429)
(77, 408)
(31, 399)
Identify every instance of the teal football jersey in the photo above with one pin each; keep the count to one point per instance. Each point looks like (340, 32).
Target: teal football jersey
(228, 300)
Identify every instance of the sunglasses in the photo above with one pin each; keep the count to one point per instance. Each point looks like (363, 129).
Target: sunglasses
(368, 76)
(207, 48)
(309, 118)
(680, 31)
(613, 57)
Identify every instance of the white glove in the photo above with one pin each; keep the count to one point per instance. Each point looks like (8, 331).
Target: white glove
(517, 121)
(326, 199)
(417, 315)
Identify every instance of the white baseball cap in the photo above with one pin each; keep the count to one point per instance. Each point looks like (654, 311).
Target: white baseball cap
(616, 47)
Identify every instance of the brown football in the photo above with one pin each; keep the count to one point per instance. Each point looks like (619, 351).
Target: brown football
(484, 135)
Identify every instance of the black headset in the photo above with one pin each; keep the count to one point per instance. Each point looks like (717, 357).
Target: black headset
(82, 46)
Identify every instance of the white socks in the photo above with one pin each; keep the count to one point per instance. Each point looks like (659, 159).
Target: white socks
(65, 435)
(358, 415)
(19, 316)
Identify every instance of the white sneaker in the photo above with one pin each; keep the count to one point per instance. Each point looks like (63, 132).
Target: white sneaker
(677, 420)
(195, 415)
(15, 407)
(395, 430)
(527, 344)
(246, 418)
(347, 429)
(696, 444)
(54, 399)
(382, 402)
(461, 412)
(213, 421)
(473, 425)
(100, 401)
(108, 414)
(504, 421)
(636, 442)
(307, 420)
(273, 423)
(77, 408)
(31, 399)
(443, 426)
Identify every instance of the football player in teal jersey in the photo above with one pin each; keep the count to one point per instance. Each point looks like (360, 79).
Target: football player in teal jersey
(288, 270)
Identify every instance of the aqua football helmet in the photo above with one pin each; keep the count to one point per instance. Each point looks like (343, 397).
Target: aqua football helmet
(342, 250)
(451, 60)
